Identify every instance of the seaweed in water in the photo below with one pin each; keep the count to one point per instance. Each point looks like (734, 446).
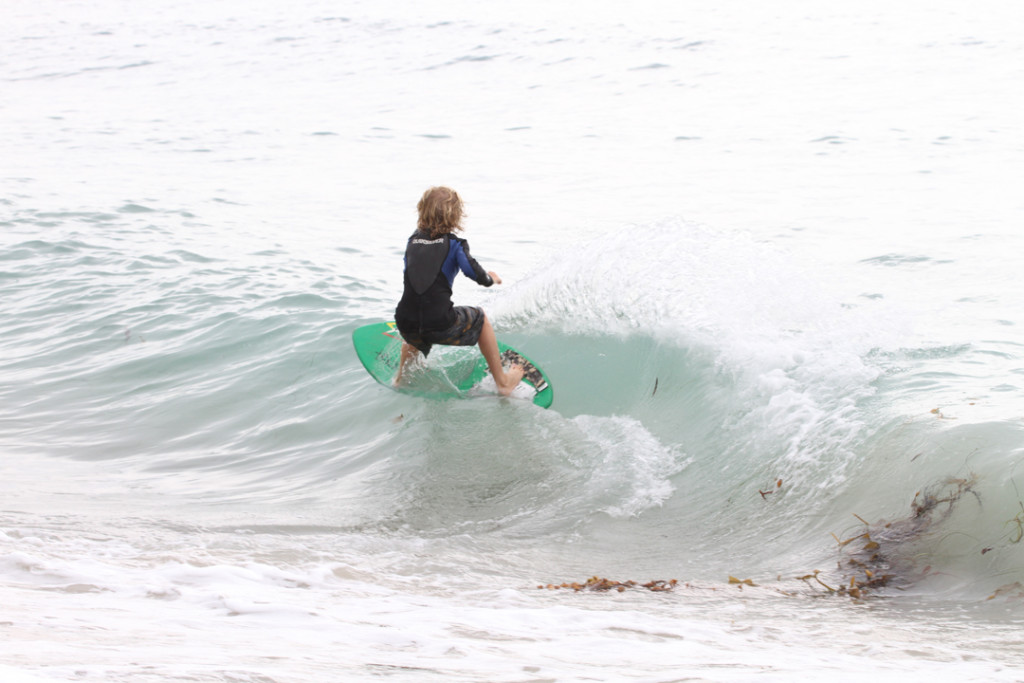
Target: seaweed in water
(871, 560)
(598, 584)
(878, 556)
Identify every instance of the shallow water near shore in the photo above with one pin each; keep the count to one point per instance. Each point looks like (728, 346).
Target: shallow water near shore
(768, 258)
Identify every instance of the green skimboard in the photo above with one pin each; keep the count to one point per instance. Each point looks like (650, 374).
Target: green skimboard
(451, 371)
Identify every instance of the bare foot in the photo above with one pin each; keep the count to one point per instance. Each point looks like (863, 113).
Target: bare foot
(410, 357)
(513, 375)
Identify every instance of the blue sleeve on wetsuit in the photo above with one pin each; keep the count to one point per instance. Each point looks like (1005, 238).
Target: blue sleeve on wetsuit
(459, 259)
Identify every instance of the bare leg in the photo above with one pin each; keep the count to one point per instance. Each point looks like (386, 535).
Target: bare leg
(409, 354)
(506, 381)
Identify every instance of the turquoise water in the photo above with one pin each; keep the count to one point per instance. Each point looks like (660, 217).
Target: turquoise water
(767, 257)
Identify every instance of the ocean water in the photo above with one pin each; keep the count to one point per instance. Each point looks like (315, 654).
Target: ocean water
(769, 256)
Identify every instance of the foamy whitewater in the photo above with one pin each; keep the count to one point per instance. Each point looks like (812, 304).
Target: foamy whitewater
(768, 253)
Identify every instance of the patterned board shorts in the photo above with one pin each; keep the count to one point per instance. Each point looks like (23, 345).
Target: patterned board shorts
(469, 323)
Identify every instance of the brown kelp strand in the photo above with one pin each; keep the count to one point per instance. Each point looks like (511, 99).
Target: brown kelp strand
(877, 557)
(599, 584)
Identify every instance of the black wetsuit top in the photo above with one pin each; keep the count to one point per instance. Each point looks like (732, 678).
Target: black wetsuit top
(431, 265)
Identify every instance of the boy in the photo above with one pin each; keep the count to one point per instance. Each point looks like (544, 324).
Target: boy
(425, 315)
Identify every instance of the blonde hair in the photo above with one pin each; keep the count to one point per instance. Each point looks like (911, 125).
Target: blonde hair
(440, 211)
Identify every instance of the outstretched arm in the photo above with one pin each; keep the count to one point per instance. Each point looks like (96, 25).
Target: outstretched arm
(470, 268)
